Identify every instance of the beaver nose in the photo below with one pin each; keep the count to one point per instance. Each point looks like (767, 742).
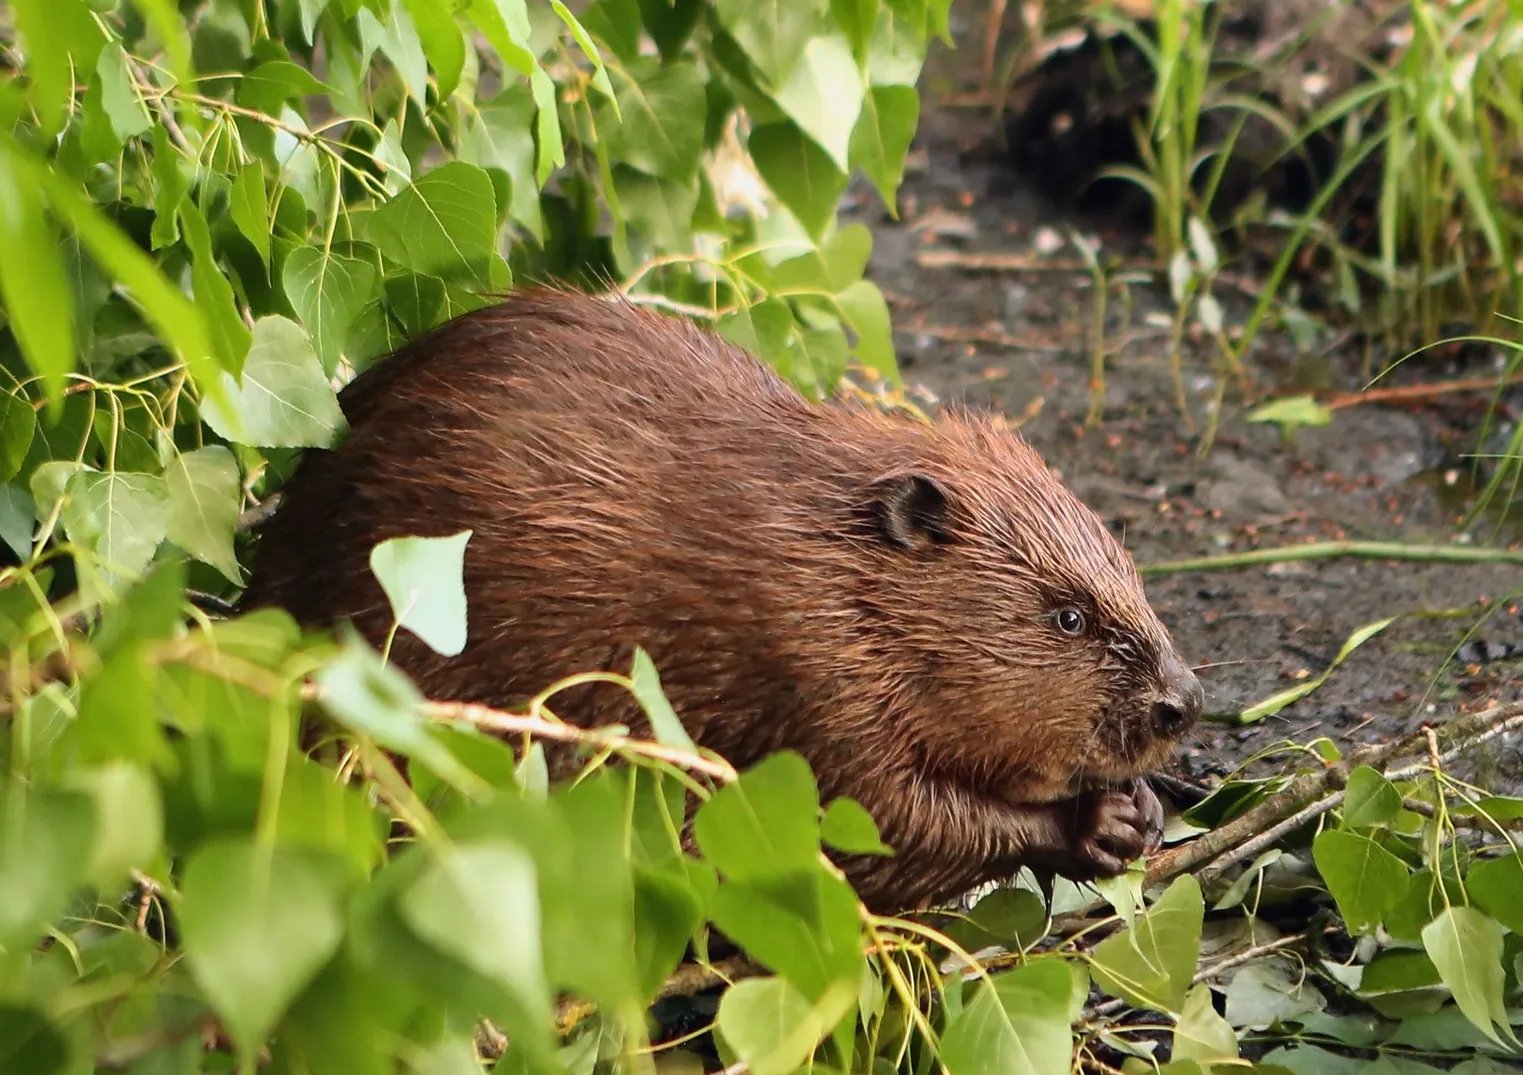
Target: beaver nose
(1177, 706)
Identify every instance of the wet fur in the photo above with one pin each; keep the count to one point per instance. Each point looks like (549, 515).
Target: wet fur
(869, 590)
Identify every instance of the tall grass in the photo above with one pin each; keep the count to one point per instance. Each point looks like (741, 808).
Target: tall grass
(1435, 129)
(1442, 121)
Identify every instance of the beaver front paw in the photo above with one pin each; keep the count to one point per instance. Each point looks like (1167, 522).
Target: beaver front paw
(1109, 829)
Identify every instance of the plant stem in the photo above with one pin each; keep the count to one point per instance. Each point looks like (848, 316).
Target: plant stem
(1333, 550)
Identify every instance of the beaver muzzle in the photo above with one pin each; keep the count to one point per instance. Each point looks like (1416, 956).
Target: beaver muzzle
(1179, 700)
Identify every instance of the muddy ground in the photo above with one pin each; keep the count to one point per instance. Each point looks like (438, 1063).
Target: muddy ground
(1018, 337)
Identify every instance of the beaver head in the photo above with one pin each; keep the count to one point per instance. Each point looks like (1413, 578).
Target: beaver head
(1038, 665)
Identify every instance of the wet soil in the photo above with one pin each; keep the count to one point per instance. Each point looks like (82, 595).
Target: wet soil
(993, 305)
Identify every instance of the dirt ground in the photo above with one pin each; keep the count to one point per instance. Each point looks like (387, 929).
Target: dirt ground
(1018, 337)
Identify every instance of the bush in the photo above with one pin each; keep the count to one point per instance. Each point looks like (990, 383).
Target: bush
(210, 858)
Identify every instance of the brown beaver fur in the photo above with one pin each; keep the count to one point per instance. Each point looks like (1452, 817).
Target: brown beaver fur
(924, 612)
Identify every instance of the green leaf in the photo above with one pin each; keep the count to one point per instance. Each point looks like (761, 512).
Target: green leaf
(424, 581)
(56, 35)
(328, 290)
(589, 49)
(1292, 413)
(34, 289)
(1273, 704)
(761, 329)
(773, 1028)
(1201, 1034)
(417, 302)
(118, 714)
(802, 924)
(376, 700)
(479, 903)
(1006, 916)
(258, 924)
(174, 316)
(397, 39)
(856, 18)
(1466, 947)
(801, 174)
(500, 135)
(866, 311)
(444, 225)
(129, 821)
(550, 151)
(120, 519)
(1400, 983)
(442, 40)
(170, 187)
(765, 824)
(505, 24)
(1269, 991)
(1151, 964)
(1016, 1023)
(311, 11)
(881, 140)
(18, 425)
(284, 401)
(663, 108)
(213, 292)
(1495, 886)
(587, 928)
(317, 811)
(847, 826)
(119, 99)
(665, 725)
(30, 1043)
(668, 911)
(1371, 799)
(659, 209)
(204, 496)
(1366, 879)
(249, 206)
(17, 513)
(833, 266)
(45, 845)
(823, 96)
(670, 23)
(772, 33)
(271, 84)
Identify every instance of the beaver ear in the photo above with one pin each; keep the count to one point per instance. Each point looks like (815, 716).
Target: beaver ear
(910, 510)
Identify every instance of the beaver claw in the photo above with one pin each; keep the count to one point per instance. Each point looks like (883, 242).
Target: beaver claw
(1109, 829)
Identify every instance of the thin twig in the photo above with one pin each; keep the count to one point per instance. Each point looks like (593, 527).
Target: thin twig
(1268, 838)
(1114, 1006)
(495, 720)
(691, 978)
(988, 335)
(985, 261)
(1217, 846)
(258, 513)
(1330, 550)
(1419, 393)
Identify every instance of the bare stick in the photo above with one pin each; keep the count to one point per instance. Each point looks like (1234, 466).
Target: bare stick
(495, 720)
(1331, 550)
(1462, 733)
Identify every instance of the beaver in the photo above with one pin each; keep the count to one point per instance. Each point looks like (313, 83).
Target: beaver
(922, 610)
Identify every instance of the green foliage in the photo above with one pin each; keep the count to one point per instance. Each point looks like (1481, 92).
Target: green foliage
(227, 844)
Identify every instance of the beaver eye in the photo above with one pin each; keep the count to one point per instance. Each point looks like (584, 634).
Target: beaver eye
(1070, 621)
